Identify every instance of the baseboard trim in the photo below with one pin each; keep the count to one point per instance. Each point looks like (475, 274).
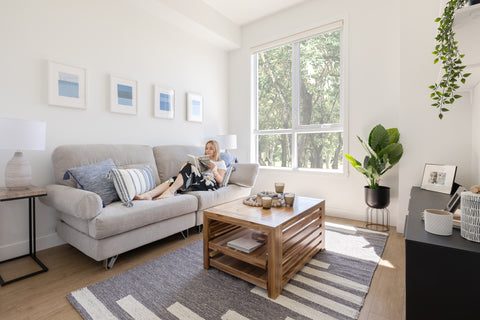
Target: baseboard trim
(20, 248)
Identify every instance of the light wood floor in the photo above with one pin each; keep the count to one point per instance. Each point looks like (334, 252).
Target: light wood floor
(44, 296)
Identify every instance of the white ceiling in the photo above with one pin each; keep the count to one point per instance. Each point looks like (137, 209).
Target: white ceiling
(242, 12)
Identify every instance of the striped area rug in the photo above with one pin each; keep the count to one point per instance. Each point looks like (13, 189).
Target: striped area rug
(332, 285)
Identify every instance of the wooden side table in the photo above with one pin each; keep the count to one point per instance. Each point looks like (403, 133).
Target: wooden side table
(29, 193)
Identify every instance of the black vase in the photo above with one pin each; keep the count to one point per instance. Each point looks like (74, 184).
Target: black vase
(377, 198)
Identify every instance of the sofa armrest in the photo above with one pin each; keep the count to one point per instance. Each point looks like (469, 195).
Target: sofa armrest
(76, 202)
(245, 174)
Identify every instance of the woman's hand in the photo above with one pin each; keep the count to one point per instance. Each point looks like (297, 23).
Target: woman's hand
(217, 174)
(212, 166)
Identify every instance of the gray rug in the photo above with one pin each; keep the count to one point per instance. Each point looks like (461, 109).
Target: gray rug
(332, 285)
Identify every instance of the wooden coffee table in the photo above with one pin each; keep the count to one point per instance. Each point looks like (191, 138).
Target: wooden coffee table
(295, 235)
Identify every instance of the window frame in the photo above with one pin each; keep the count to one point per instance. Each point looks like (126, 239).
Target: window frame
(297, 128)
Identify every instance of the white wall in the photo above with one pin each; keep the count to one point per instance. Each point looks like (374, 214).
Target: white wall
(475, 136)
(372, 92)
(389, 68)
(426, 138)
(106, 37)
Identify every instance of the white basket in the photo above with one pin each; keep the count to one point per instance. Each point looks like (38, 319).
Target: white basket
(470, 226)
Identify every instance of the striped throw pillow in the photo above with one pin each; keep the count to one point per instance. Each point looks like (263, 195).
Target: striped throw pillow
(130, 182)
(226, 177)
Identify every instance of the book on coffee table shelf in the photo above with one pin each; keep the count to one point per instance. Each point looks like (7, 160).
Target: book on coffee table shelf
(247, 243)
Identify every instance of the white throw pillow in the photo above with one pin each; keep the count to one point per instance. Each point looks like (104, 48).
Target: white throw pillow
(130, 182)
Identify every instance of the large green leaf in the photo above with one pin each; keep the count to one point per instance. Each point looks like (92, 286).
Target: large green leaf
(392, 153)
(393, 135)
(378, 138)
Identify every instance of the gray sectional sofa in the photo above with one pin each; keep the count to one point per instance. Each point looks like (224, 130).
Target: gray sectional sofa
(103, 233)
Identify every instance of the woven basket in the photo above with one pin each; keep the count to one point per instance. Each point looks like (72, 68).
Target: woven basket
(470, 227)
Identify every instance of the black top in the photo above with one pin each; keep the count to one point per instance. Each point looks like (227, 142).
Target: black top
(415, 227)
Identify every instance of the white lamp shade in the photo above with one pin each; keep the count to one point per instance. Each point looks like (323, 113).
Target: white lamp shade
(228, 141)
(18, 134)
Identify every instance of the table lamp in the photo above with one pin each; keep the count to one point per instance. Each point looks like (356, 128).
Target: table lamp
(227, 141)
(18, 134)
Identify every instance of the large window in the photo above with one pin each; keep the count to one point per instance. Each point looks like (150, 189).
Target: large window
(299, 108)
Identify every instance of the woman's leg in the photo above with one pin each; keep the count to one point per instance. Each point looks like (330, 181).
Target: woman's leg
(155, 192)
(170, 191)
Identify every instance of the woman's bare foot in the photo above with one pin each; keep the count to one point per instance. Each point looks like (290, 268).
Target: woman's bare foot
(167, 194)
(143, 196)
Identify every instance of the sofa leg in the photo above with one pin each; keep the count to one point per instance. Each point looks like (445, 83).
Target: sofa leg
(109, 262)
(184, 234)
(200, 228)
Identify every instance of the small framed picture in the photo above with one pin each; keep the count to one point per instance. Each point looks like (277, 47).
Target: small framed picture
(194, 107)
(454, 202)
(67, 86)
(164, 103)
(123, 95)
(438, 178)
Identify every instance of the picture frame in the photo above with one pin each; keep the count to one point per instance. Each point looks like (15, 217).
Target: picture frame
(438, 178)
(454, 202)
(163, 103)
(67, 86)
(194, 107)
(123, 95)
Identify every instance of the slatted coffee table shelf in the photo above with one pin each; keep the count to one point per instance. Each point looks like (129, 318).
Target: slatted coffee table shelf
(294, 235)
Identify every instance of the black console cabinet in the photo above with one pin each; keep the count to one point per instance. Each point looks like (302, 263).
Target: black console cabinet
(442, 272)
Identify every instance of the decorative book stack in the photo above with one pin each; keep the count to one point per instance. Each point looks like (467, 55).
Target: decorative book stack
(470, 225)
(247, 243)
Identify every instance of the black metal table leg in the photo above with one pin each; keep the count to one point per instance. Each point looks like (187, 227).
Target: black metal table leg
(32, 245)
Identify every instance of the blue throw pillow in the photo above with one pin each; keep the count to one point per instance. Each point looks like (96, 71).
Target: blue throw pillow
(94, 178)
(228, 158)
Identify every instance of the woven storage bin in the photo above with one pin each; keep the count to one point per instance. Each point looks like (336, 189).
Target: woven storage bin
(470, 227)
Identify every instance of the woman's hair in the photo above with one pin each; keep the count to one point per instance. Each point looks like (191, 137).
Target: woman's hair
(216, 146)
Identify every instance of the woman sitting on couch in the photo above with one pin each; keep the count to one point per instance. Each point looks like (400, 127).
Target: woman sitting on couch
(190, 179)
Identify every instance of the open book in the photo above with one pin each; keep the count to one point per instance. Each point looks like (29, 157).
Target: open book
(200, 162)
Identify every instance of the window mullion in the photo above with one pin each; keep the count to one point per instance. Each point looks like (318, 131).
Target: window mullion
(295, 99)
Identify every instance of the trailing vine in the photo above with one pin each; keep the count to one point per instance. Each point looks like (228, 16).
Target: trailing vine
(446, 51)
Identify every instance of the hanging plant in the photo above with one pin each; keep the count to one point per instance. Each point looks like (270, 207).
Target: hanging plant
(446, 51)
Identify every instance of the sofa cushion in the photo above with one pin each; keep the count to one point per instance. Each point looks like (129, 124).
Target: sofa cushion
(245, 174)
(123, 155)
(94, 178)
(208, 199)
(130, 182)
(170, 159)
(116, 218)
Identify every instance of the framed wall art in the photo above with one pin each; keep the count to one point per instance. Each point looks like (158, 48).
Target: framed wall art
(123, 95)
(67, 86)
(438, 178)
(164, 103)
(194, 107)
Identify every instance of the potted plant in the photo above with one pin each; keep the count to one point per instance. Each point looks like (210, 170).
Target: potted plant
(383, 152)
(446, 51)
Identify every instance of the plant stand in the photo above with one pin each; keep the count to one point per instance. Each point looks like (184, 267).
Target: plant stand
(378, 219)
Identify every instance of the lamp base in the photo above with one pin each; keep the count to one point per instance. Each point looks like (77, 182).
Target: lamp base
(18, 173)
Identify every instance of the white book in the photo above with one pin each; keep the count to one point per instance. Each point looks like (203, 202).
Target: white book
(245, 243)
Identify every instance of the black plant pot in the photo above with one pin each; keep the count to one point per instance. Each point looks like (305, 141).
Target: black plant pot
(472, 2)
(377, 198)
